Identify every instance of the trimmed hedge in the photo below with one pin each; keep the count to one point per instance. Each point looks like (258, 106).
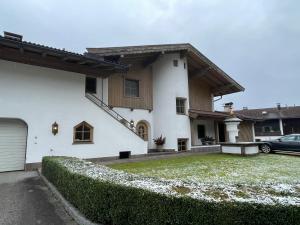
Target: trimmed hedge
(114, 204)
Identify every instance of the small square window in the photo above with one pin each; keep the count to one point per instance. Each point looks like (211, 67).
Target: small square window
(131, 88)
(175, 62)
(182, 144)
(180, 105)
(91, 85)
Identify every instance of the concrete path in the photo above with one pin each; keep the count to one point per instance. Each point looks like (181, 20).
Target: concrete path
(26, 200)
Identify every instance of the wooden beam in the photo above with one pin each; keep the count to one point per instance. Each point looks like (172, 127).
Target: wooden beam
(200, 73)
(220, 89)
(151, 60)
(183, 53)
(30, 58)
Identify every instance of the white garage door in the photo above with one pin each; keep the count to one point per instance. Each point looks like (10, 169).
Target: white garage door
(12, 145)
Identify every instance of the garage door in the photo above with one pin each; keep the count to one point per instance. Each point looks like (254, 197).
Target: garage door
(12, 145)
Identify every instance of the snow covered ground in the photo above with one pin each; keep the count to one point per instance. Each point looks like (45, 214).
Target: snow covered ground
(271, 191)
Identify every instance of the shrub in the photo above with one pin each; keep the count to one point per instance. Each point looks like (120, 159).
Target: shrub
(114, 204)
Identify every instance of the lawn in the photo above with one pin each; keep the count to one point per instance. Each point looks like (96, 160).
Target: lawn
(265, 178)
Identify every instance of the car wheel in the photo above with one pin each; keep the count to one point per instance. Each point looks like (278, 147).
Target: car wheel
(265, 148)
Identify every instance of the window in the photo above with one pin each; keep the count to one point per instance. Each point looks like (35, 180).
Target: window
(201, 131)
(288, 138)
(267, 129)
(175, 62)
(131, 88)
(182, 144)
(180, 105)
(91, 85)
(83, 133)
(142, 130)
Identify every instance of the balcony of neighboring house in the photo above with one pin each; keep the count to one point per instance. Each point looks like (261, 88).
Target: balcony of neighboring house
(268, 128)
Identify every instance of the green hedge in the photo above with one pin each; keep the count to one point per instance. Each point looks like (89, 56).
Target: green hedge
(109, 203)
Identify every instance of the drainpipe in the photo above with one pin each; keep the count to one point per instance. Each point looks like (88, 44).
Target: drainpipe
(281, 127)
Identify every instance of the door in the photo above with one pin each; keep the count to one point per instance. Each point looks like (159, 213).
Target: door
(221, 128)
(13, 135)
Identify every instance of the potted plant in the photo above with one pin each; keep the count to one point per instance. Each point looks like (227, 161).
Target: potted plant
(160, 141)
(207, 140)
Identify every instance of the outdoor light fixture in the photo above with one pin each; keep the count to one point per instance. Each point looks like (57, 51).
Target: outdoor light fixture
(54, 128)
(131, 124)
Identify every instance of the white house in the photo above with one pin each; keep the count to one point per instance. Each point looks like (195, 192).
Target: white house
(55, 102)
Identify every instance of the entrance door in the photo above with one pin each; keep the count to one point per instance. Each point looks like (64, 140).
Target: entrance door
(221, 128)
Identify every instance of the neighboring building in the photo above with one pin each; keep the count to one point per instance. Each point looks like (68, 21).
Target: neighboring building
(272, 123)
(55, 102)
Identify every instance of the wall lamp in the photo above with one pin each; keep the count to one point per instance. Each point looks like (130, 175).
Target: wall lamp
(54, 128)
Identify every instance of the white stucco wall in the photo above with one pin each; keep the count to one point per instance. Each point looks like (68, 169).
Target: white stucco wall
(170, 82)
(41, 96)
(138, 115)
(209, 130)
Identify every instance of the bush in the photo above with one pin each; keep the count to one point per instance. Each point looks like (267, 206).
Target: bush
(114, 204)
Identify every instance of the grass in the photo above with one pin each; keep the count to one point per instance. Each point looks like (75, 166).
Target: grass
(220, 168)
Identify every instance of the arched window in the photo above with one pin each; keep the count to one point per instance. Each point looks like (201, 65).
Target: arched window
(142, 130)
(83, 133)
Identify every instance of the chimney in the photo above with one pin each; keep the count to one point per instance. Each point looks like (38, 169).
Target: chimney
(228, 107)
(12, 36)
(278, 106)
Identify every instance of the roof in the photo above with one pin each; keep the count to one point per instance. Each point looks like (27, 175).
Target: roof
(198, 114)
(271, 113)
(197, 63)
(13, 48)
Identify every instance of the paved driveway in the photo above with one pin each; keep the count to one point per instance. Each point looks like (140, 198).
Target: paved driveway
(26, 200)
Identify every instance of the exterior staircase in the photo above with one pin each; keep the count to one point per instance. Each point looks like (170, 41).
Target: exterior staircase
(112, 113)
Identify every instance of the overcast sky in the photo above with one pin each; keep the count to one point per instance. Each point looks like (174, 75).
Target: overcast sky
(257, 42)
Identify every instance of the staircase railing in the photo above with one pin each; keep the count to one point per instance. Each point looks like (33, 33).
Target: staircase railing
(111, 112)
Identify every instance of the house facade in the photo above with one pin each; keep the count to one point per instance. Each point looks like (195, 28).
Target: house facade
(107, 101)
(169, 91)
(273, 123)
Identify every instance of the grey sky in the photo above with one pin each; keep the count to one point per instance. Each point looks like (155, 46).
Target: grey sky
(257, 42)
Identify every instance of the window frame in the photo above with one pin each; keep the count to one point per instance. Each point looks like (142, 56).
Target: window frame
(91, 132)
(138, 87)
(143, 125)
(95, 79)
(183, 112)
(179, 147)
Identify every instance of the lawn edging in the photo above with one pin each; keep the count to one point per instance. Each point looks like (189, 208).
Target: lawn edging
(111, 203)
(71, 210)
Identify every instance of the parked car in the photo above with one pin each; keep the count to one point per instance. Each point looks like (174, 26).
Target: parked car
(286, 143)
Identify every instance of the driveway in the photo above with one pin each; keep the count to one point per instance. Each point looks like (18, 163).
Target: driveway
(26, 200)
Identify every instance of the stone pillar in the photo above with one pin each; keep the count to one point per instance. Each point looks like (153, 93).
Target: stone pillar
(232, 128)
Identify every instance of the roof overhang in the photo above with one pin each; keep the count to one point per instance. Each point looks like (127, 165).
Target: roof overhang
(200, 114)
(34, 54)
(199, 66)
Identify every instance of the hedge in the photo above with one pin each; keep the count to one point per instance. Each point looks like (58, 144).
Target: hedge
(114, 204)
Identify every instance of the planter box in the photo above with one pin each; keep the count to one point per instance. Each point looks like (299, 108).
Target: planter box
(241, 148)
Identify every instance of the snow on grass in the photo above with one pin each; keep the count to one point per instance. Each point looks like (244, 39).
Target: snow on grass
(271, 193)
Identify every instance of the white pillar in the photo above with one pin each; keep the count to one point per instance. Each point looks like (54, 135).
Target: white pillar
(232, 128)
(281, 126)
